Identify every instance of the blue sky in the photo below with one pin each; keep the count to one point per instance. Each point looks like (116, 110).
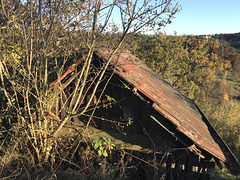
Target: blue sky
(206, 17)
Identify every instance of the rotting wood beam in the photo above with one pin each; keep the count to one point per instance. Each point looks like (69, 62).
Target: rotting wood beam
(68, 71)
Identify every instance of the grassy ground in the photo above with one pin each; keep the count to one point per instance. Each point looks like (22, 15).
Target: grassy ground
(222, 174)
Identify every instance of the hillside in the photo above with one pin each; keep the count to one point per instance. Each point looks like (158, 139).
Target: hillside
(230, 49)
(233, 39)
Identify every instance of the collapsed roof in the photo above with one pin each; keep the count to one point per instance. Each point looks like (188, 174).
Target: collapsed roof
(181, 111)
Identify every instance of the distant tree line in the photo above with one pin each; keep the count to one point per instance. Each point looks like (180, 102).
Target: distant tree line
(233, 39)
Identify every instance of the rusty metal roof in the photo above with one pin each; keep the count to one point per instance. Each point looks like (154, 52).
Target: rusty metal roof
(169, 102)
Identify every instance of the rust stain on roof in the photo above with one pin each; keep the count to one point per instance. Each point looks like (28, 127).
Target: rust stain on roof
(174, 106)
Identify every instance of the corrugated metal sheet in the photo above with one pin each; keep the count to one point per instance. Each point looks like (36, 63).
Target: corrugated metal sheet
(174, 106)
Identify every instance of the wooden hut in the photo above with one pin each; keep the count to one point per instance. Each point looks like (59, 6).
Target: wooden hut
(144, 112)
